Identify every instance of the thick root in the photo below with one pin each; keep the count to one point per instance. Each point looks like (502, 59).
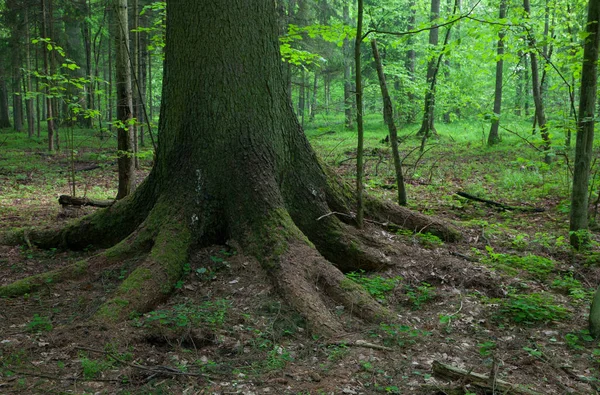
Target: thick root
(304, 277)
(155, 278)
(394, 215)
(350, 249)
(341, 199)
(103, 229)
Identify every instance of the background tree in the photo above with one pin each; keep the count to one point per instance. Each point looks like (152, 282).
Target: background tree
(585, 130)
(126, 151)
(428, 123)
(493, 137)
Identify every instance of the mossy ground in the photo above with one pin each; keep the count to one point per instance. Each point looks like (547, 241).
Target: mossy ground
(226, 330)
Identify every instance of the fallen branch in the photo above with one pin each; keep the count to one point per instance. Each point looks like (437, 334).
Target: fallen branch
(66, 200)
(450, 373)
(501, 205)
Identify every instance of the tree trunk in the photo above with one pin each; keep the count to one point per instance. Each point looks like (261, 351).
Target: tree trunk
(427, 125)
(348, 96)
(125, 153)
(4, 113)
(16, 34)
(540, 115)
(360, 208)
(388, 112)
(585, 133)
(28, 85)
(46, 15)
(246, 174)
(493, 137)
(411, 61)
(313, 101)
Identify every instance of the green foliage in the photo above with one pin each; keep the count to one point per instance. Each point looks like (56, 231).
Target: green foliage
(376, 286)
(420, 294)
(336, 352)
(571, 287)
(486, 348)
(531, 308)
(39, 324)
(277, 358)
(428, 240)
(92, 367)
(211, 314)
(535, 265)
(398, 335)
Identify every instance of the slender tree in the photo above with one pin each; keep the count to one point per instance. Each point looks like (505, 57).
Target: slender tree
(245, 174)
(388, 113)
(540, 115)
(493, 137)
(49, 109)
(585, 130)
(126, 152)
(348, 96)
(427, 125)
(4, 111)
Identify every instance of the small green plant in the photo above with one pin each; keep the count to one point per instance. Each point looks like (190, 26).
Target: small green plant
(428, 240)
(420, 294)
(335, 352)
(92, 367)
(531, 308)
(277, 358)
(376, 286)
(486, 348)
(211, 314)
(576, 340)
(537, 266)
(39, 324)
(571, 287)
(398, 335)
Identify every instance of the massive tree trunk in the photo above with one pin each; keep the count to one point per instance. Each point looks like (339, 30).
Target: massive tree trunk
(493, 137)
(233, 165)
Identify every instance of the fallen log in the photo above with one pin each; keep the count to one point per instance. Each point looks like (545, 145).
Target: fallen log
(66, 200)
(501, 205)
(451, 373)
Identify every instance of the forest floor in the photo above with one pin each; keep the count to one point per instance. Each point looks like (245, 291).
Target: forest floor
(510, 301)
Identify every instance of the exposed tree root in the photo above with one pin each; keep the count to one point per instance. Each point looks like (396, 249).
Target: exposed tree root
(304, 276)
(304, 255)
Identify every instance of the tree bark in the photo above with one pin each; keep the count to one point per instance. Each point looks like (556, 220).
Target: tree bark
(493, 137)
(388, 112)
(125, 146)
(585, 133)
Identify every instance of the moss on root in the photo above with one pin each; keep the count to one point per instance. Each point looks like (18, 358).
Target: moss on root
(33, 283)
(160, 270)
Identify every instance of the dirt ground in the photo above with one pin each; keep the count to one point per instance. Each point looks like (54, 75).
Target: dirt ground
(226, 331)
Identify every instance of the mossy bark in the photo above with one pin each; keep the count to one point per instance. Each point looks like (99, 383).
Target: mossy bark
(234, 165)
